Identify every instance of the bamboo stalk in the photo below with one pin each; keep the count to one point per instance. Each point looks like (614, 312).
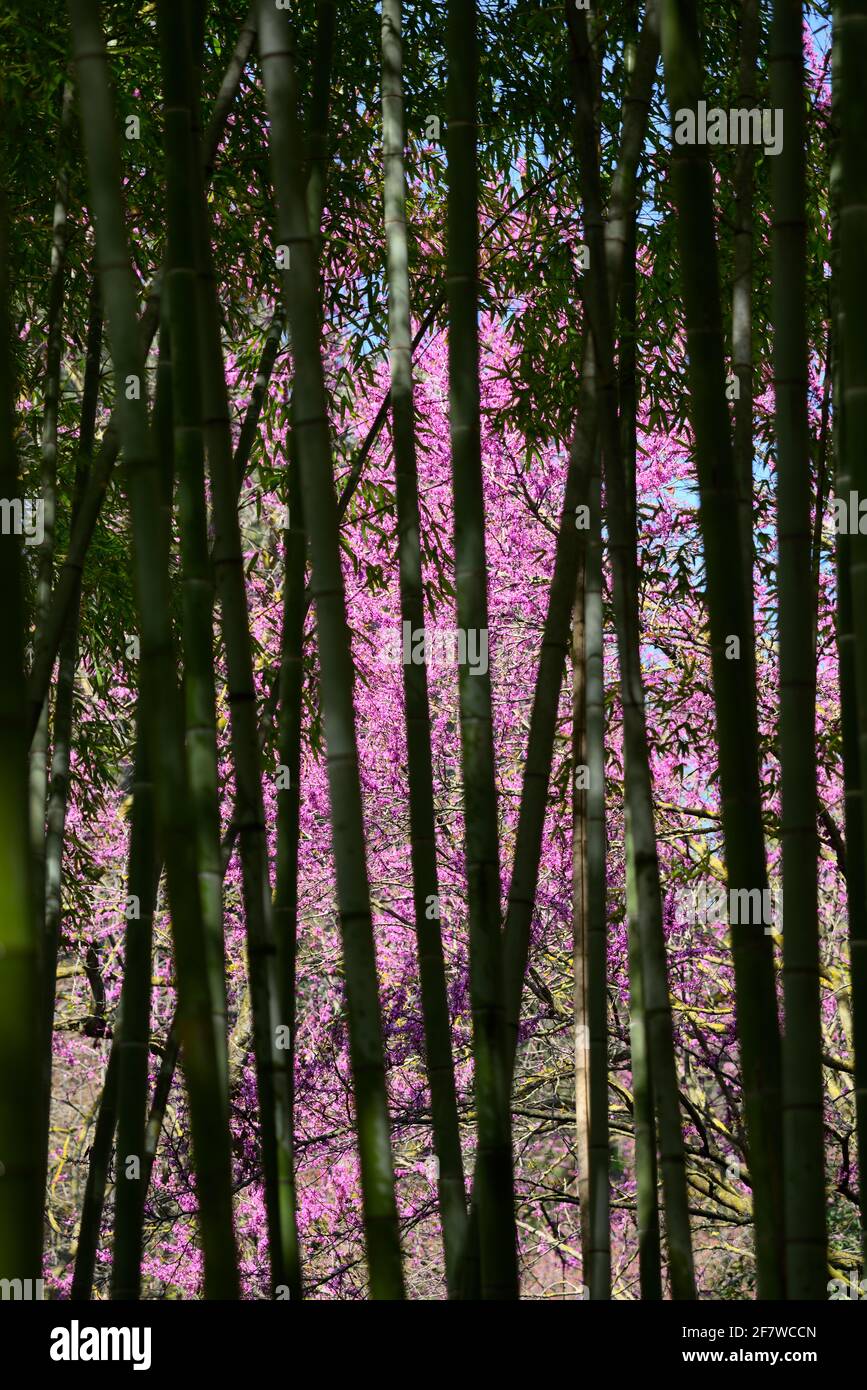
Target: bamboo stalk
(320, 512)
(644, 1123)
(289, 809)
(64, 597)
(21, 989)
(197, 585)
(856, 876)
(132, 1038)
(580, 896)
(742, 291)
(162, 704)
(493, 1173)
(639, 788)
(58, 795)
(730, 616)
(133, 1034)
(269, 1056)
(90, 1226)
(850, 37)
(555, 638)
(435, 1009)
(291, 675)
(590, 947)
(317, 142)
(537, 768)
(225, 98)
(39, 749)
(803, 1152)
(250, 423)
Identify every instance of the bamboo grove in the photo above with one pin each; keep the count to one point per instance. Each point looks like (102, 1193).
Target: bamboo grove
(433, 710)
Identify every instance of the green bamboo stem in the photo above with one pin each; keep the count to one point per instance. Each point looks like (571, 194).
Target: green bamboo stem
(644, 1124)
(68, 581)
(171, 1054)
(639, 788)
(742, 291)
(856, 876)
(64, 597)
(159, 1102)
(94, 1189)
(546, 696)
(730, 615)
(39, 749)
(250, 423)
(133, 1035)
(317, 140)
(589, 888)
(580, 896)
(435, 1009)
(291, 674)
(289, 808)
(58, 795)
(803, 1151)
(270, 1058)
(21, 990)
(197, 587)
(225, 98)
(276, 49)
(132, 1039)
(850, 39)
(493, 1173)
(210, 1128)
(555, 638)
